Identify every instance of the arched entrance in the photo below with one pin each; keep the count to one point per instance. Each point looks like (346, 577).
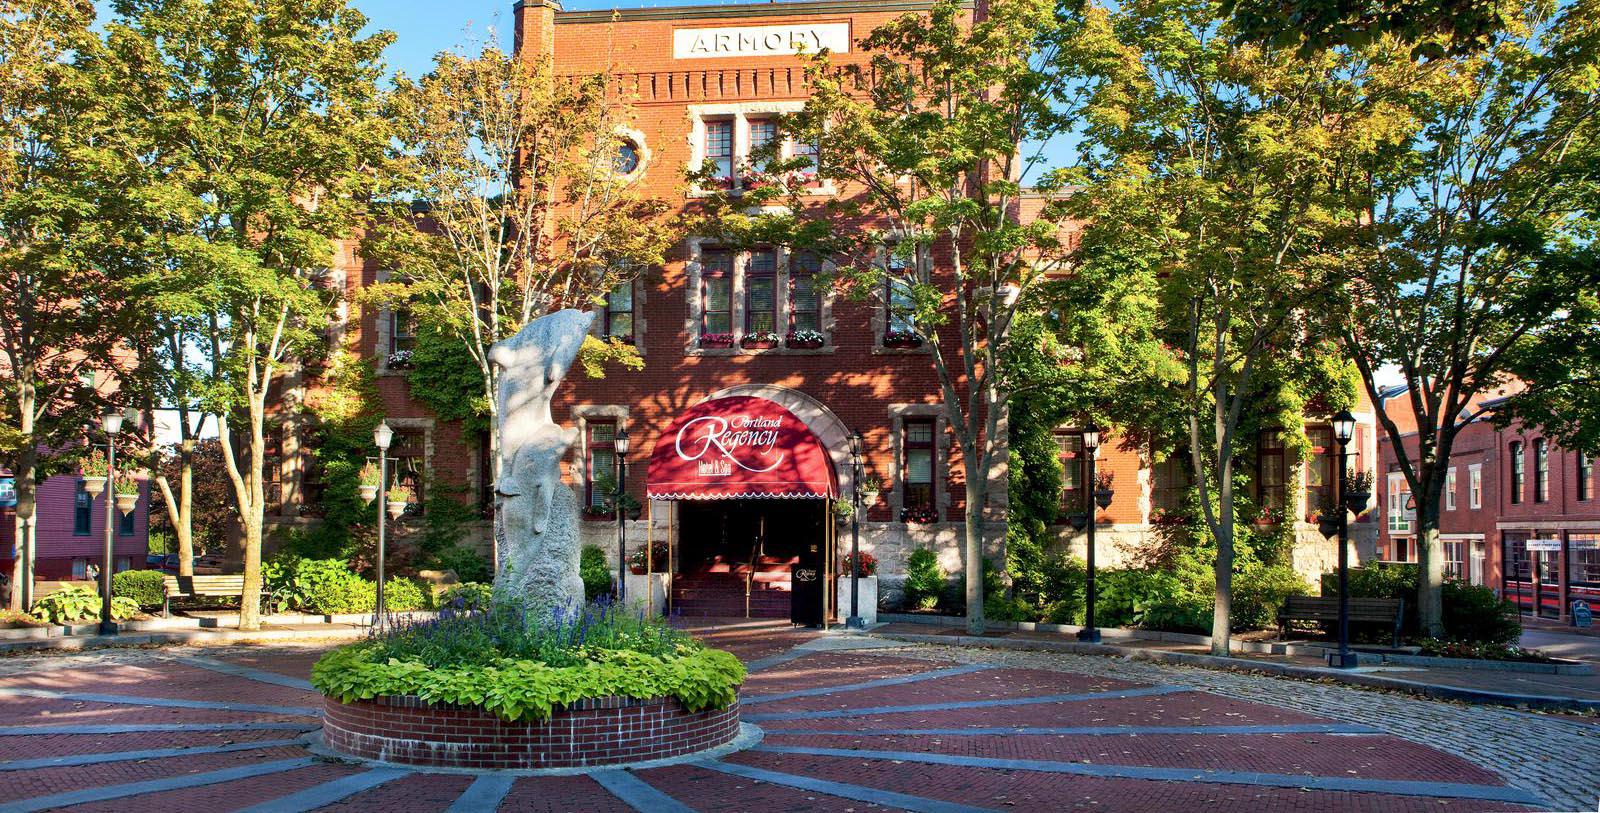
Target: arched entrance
(752, 474)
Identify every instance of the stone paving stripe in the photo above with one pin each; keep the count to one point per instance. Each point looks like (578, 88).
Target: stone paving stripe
(246, 672)
(860, 793)
(1392, 787)
(484, 794)
(165, 702)
(152, 753)
(1091, 731)
(775, 660)
(637, 793)
(1119, 694)
(869, 684)
(188, 780)
(329, 792)
(140, 728)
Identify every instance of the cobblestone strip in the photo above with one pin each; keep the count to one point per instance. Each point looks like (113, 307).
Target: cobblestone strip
(328, 792)
(860, 793)
(869, 684)
(87, 795)
(165, 702)
(1118, 694)
(1549, 756)
(1392, 787)
(150, 753)
(143, 728)
(246, 672)
(1107, 730)
(637, 793)
(485, 793)
(774, 660)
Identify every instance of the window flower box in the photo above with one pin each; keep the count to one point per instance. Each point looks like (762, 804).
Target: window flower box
(919, 515)
(903, 339)
(598, 513)
(399, 360)
(805, 340)
(716, 340)
(759, 341)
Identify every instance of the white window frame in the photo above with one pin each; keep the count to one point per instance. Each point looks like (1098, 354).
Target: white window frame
(1475, 486)
(1399, 521)
(1450, 489)
(741, 114)
(694, 324)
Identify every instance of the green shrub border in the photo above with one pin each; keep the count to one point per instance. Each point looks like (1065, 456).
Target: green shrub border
(516, 690)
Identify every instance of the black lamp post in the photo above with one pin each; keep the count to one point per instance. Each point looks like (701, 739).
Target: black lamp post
(1344, 427)
(855, 621)
(622, 523)
(111, 422)
(382, 436)
(1091, 446)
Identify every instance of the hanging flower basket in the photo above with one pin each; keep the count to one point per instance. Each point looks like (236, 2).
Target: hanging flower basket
(368, 492)
(127, 502)
(638, 565)
(1328, 524)
(93, 486)
(1102, 497)
(869, 565)
(396, 508)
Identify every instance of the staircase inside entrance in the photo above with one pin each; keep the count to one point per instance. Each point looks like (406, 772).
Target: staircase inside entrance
(717, 589)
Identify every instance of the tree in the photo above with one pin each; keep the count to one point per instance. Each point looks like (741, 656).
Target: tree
(1212, 172)
(1472, 270)
(924, 142)
(260, 118)
(508, 203)
(208, 508)
(60, 279)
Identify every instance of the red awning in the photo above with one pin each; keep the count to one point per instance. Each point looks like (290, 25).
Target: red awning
(740, 447)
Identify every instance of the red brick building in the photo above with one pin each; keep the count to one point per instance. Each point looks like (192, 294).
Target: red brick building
(1518, 513)
(708, 82)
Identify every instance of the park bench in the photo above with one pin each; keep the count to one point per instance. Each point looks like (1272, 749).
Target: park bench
(1388, 611)
(192, 586)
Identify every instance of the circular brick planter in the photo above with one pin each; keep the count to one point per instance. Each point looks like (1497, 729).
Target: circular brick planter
(604, 731)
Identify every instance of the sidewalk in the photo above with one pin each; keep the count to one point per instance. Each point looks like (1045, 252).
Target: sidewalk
(1553, 692)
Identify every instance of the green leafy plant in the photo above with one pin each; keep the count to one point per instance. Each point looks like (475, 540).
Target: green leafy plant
(1473, 613)
(325, 586)
(79, 603)
(467, 597)
(125, 484)
(93, 465)
(144, 587)
(925, 580)
(369, 475)
(595, 573)
(401, 594)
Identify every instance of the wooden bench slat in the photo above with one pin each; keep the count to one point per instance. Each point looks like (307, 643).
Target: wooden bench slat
(1326, 608)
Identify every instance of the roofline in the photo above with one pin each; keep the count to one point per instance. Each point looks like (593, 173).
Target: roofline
(772, 9)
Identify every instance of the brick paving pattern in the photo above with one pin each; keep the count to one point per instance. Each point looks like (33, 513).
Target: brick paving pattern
(1029, 731)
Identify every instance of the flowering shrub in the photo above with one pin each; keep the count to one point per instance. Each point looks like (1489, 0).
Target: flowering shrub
(716, 340)
(658, 556)
(400, 358)
(806, 338)
(869, 565)
(919, 514)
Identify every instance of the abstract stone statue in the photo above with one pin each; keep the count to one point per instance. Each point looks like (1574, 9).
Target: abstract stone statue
(537, 517)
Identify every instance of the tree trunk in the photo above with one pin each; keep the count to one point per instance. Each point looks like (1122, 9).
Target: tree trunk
(26, 545)
(1430, 567)
(1222, 617)
(974, 551)
(491, 384)
(254, 512)
(184, 527)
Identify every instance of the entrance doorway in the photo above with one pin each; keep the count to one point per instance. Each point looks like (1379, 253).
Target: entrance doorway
(735, 557)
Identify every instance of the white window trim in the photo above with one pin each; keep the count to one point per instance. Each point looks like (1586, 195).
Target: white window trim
(736, 316)
(740, 113)
(1475, 486)
(1450, 489)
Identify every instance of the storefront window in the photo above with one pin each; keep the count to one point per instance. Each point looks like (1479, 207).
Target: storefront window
(717, 292)
(1583, 556)
(918, 473)
(761, 293)
(1517, 472)
(805, 304)
(602, 459)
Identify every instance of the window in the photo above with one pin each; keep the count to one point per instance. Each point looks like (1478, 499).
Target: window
(1170, 479)
(627, 156)
(716, 292)
(805, 303)
(1455, 559)
(902, 307)
(1399, 496)
(601, 464)
(1585, 476)
(719, 147)
(1541, 471)
(1402, 549)
(1450, 489)
(1583, 558)
(1518, 474)
(1319, 470)
(918, 467)
(1270, 471)
(762, 133)
(402, 330)
(127, 523)
(619, 313)
(80, 569)
(1475, 486)
(408, 461)
(1518, 565)
(761, 293)
(82, 510)
(1074, 471)
(807, 150)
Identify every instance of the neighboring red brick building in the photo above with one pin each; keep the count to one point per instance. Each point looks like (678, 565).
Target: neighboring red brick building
(1518, 514)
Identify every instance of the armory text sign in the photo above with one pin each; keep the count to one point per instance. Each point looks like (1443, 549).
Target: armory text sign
(760, 40)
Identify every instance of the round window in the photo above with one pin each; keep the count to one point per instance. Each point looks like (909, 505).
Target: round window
(627, 156)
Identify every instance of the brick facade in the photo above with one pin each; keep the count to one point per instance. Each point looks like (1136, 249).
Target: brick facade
(605, 731)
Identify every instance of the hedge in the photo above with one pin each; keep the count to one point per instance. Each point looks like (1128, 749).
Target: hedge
(145, 587)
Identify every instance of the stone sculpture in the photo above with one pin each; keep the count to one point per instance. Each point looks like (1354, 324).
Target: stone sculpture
(537, 517)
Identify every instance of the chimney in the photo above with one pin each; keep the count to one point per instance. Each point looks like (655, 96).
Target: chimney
(536, 27)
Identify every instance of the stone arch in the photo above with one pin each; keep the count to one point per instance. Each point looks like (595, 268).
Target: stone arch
(833, 433)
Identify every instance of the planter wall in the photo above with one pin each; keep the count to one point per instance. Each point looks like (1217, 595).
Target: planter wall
(869, 598)
(606, 731)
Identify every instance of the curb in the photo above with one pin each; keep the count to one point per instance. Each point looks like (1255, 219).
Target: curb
(1432, 690)
(193, 636)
